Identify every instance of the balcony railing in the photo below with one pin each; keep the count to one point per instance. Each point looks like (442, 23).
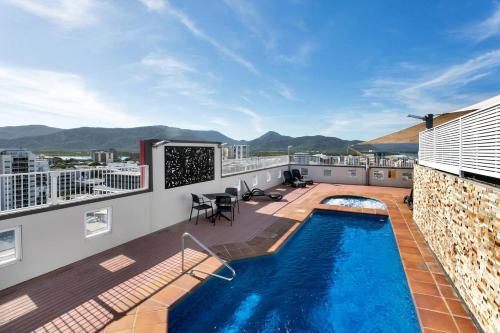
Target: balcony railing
(470, 143)
(232, 166)
(360, 161)
(38, 189)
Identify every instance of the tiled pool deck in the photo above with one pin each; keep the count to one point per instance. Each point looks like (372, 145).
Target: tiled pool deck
(130, 288)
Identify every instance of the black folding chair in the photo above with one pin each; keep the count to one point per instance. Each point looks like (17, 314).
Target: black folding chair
(290, 180)
(297, 175)
(200, 204)
(234, 192)
(224, 204)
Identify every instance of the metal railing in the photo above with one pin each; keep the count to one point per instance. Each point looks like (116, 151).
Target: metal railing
(349, 160)
(187, 234)
(470, 143)
(233, 166)
(21, 191)
(329, 160)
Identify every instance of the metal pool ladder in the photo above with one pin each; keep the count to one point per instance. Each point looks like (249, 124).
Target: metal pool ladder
(233, 272)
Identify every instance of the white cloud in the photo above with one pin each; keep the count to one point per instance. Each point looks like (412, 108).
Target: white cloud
(219, 121)
(189, 24)
(174, 76)
(440, 91)
(341, 124)
(54, 98)
(72, 13)
(256, 119)
(252, 21)
(166, 64)
(301, 56)
(485, 29)
(154, 5)
(284, 91)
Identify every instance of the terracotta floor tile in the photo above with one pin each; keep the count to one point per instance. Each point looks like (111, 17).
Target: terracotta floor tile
(441, 279)
(424, 288)
(409, 250)
(428, 330)
(434, 267)
(169, 295)
(419, 275)
(157, 328)
(407, 242)
(465, 325)
(151, 318)
(437, 321)
(456, 307)
(149, 305)
(447, 291)
(186, 282)
(415, 265)
(123, 323)
(428, 302)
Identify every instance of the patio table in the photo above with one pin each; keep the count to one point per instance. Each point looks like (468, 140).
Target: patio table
(213, 196)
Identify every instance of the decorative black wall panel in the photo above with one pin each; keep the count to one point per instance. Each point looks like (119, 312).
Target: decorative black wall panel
(188, 165)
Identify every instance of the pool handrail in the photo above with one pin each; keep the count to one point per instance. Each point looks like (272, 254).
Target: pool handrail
(204, 247)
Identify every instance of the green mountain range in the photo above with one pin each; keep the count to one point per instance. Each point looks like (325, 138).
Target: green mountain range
(43, 138)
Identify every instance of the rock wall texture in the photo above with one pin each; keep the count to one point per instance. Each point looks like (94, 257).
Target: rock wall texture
(460, 219)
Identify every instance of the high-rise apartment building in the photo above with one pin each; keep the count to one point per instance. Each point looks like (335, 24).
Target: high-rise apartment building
(23, 179)
(103, 156)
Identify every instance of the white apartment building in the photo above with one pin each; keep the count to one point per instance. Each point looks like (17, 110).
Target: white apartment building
(17, 188)
(102, 156)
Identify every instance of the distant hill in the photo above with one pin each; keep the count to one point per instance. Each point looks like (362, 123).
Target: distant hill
(272, 141)
(125, 139)
(13, 132)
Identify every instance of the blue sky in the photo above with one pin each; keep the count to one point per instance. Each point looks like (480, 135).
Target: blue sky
(351, 69)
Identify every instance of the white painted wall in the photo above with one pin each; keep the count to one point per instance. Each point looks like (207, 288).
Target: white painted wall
(56, 238)
(398, 181)
(339, 174)
(171, 206)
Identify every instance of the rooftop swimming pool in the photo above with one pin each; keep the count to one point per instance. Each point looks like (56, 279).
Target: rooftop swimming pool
(354, 201)
(341, 272)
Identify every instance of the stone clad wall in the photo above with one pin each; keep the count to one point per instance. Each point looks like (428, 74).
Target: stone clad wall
(460, 219)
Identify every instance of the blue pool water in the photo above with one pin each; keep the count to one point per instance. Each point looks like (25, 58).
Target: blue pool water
(353, 201)
(340, 272)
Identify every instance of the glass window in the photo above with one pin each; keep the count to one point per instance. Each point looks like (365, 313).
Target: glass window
(351, 172)
(327, 172)
(10, 245)
(97, 222)
(304, 171)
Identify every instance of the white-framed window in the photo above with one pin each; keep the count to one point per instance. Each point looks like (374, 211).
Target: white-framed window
(97, 222)
(304, 171)
(255, 180)
(279, 174)
(268, 176)
(378, 174)
(351, 172)
(10, 245)
(327, 172)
